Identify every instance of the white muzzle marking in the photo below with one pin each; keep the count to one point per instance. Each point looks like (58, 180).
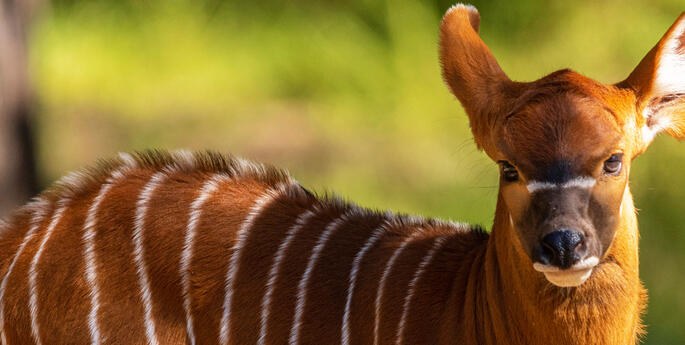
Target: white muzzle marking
(571, 277)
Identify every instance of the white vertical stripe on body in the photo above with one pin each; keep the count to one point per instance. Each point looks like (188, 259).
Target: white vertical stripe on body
(139, 253)
(381, 286)
(36, 220)
(90, 259)
(300, 222)
(370, 243)
(33, 270)
(303, 285)
(208, 188)
(233, 264)
(437, 245)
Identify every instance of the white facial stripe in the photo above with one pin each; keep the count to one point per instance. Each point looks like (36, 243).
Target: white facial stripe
(625, 190)
(578, 182)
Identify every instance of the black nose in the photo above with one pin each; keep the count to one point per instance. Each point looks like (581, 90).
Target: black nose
(559, 248)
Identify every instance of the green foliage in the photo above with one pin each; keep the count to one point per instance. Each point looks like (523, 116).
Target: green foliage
(345, 94)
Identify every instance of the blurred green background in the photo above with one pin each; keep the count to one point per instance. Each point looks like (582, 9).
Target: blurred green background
(347, 95)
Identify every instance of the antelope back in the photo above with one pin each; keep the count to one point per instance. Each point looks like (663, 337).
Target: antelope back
(165, 248)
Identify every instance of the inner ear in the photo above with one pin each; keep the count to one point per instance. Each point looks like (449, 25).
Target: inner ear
(659, 85)
(664, 114)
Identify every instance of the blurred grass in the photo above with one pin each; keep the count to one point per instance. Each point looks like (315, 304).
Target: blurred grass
(346, 95)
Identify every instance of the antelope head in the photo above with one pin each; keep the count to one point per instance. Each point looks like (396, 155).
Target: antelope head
(564, 143)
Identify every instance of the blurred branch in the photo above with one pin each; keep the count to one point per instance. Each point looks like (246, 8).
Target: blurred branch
(17, 157)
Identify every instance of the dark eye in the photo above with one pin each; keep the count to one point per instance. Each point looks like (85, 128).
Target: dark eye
(509, 173)
(612, 166)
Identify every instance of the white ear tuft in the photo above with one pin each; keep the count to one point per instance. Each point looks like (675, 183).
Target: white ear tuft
(474, 16)
(468, 7)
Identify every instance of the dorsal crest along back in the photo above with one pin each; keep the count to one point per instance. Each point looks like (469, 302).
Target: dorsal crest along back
(180, 161)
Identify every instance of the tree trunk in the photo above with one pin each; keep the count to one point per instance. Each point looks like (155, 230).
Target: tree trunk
(18, 180)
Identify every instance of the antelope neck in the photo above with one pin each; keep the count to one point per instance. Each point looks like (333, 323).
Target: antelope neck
(514, 304)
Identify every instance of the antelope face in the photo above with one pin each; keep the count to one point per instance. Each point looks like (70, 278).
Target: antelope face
(564, 161)
(564, 143)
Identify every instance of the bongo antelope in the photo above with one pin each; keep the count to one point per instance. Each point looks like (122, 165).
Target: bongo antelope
(200, 248)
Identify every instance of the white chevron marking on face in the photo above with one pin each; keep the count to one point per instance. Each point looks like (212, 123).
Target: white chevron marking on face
(578, 182)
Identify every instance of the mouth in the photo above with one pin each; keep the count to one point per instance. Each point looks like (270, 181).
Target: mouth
(573, 276)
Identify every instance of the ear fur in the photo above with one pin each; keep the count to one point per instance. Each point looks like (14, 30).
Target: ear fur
(470, 70)
(659, 85)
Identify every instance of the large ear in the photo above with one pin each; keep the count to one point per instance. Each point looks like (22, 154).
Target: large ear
(471, 71)
(659, 85)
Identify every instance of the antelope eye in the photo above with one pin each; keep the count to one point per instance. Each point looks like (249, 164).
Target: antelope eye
(612, 166)
(509, 173)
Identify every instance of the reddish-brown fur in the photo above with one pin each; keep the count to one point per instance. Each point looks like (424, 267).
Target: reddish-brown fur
(476, 289)
(508, 302)
(120, 307)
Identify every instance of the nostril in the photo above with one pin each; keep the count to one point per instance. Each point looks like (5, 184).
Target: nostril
(562, 240)
(547, 254)
(560, 247)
